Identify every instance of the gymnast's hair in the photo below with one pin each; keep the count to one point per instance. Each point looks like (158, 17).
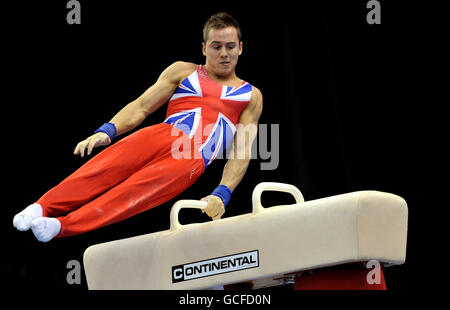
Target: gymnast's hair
(219, 21)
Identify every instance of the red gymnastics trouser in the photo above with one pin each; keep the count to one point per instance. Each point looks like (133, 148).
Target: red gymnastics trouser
(133, 175)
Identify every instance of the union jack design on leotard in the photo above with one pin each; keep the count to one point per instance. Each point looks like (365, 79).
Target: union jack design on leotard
(219, 139)
(186, 120)
(241, 93)
(189, 87)
(200, 103)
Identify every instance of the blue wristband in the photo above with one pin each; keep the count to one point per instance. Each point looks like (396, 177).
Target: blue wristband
(109, 129)
(223, 193)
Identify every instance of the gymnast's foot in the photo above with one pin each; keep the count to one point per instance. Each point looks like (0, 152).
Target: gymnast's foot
(22, 221)
(45, 228)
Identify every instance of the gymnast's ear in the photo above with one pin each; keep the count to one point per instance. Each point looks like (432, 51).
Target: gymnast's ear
(203, 48)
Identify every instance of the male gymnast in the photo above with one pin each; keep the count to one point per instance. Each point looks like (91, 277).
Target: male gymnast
(205, 105)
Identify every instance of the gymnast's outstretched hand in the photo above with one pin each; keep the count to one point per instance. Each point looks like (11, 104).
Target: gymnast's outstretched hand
(98, 139)
(215, 207)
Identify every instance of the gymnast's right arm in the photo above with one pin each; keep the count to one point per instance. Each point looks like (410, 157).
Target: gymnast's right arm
(134, 113)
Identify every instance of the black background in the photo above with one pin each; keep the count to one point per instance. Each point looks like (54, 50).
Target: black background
(347, 97)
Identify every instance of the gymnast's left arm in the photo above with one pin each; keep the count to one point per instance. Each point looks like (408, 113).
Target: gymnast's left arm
(236, 166)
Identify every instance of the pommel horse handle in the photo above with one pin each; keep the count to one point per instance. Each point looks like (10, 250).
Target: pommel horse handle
(273, 186)
(256, 200)
(187, 203)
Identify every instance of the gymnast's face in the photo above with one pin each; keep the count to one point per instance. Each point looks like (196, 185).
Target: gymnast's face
(222, 50)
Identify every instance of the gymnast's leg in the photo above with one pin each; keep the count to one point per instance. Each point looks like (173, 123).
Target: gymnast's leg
(156, 183)
(102, 172)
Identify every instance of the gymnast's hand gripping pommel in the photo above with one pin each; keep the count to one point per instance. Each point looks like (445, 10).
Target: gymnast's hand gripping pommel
(216, 202)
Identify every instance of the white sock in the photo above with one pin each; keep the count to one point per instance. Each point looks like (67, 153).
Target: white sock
(22, 220)
(45, 228)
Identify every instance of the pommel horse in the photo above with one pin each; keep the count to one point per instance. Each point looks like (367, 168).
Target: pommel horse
(314, 244)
